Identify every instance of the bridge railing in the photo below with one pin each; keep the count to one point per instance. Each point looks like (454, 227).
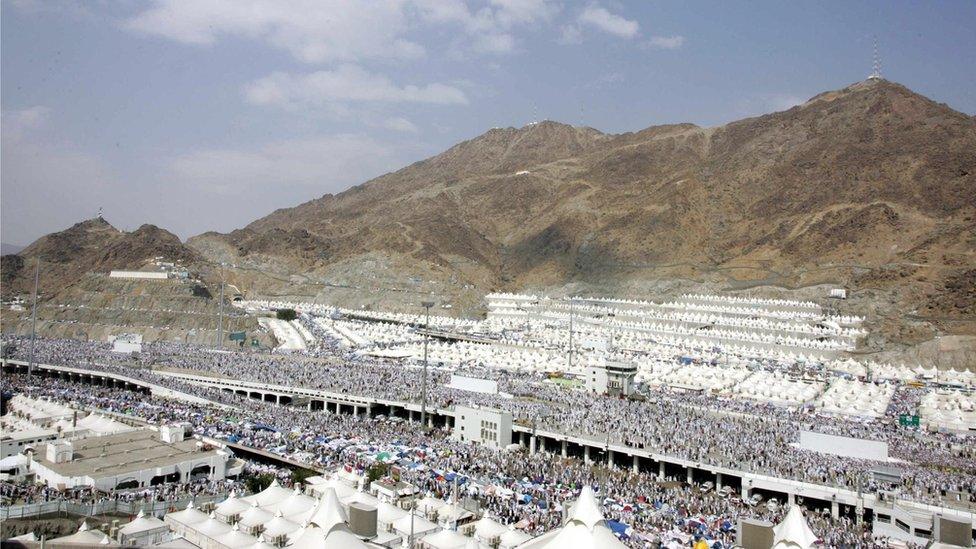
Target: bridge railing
(105, 507)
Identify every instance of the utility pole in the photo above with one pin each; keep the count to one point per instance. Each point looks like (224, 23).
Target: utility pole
(572, 312)
(220, 314)
(423, 405)
(37, 275)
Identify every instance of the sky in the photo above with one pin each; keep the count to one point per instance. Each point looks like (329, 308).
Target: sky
(200, 115)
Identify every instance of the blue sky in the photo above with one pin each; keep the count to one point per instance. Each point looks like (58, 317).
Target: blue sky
(207, 114)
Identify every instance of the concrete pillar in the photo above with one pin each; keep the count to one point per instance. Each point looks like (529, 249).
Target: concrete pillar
(310, 406)
(430, 420)
(791, 498)
(660, 470)
(835, 509)
(745, 492)
(586, 454)
(532, 443)
(609, 457)
(636, 465)
(690, 474)
(718, 481)
(565, 449)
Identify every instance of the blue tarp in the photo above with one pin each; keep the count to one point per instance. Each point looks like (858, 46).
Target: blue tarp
(618, 527)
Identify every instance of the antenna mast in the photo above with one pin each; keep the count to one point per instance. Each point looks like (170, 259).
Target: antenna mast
(876, 65)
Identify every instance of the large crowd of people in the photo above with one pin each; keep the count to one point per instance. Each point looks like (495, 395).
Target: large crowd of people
(717, 430)
(529, 491)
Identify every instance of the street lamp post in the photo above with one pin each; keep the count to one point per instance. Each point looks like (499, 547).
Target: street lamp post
(37, 275)
(423, 404)
(220, 313)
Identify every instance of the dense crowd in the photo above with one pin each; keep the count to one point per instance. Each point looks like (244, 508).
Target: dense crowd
(735, 433)
(656, 511)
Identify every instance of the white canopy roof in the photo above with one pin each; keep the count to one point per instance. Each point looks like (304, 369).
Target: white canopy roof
(235, 539)
(420, 525)
(274, 493)
(142, 523)
(84, 536)
(585, 528)
(188, 516)
(445, 539)
(793, 532)
(329, 512)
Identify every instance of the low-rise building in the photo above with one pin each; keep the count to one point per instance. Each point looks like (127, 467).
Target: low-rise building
(133, 459)
(611, 377)
(483, 425)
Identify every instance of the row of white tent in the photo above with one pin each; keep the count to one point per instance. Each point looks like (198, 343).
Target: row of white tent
(949, 410)
(747, 318)
(281, 517)
(856, 398)
(289, 337)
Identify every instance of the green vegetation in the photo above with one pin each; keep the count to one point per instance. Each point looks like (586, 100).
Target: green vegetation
(286, 314)
(257, 483)
(377, 471)
(299, 475)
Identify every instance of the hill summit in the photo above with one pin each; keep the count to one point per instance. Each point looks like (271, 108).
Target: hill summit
(869, 186)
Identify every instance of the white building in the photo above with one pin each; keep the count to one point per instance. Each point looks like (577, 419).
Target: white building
(139, 275)
(133, 459)
(126, 343)
(611, 377)
(483, 425)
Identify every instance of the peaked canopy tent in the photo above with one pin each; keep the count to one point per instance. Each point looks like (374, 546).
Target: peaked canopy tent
(793, 532)
(585, 528)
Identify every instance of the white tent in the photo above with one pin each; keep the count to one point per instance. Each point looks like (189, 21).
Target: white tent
(84, 536)
(143, 530)
(179, 521)
(585, 528)
(445, 539)
(421, 526)
(329, 511)
(488, 530)
(273, 494)
(235, 539)
(793, 532)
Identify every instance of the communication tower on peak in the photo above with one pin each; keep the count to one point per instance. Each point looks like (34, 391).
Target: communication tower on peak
(876, 65)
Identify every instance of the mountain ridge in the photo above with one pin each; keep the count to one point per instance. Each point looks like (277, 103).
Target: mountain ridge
(870, 187)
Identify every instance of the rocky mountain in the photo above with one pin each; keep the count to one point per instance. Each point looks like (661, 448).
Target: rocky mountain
(872, 187)
(92, 246)
(79, 300)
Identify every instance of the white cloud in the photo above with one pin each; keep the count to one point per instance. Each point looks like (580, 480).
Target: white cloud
(400, 124)
(570, 34)
(489, 27)
(347, 83)
(319, 31)
(329, 163)
(494, 43)
(15, 123)
(601, 19)
(312, 31)
(666, 42)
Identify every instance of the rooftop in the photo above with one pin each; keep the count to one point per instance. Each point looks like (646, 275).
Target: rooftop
(122, 453)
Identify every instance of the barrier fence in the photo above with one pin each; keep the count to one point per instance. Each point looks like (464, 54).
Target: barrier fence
(105, 507)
